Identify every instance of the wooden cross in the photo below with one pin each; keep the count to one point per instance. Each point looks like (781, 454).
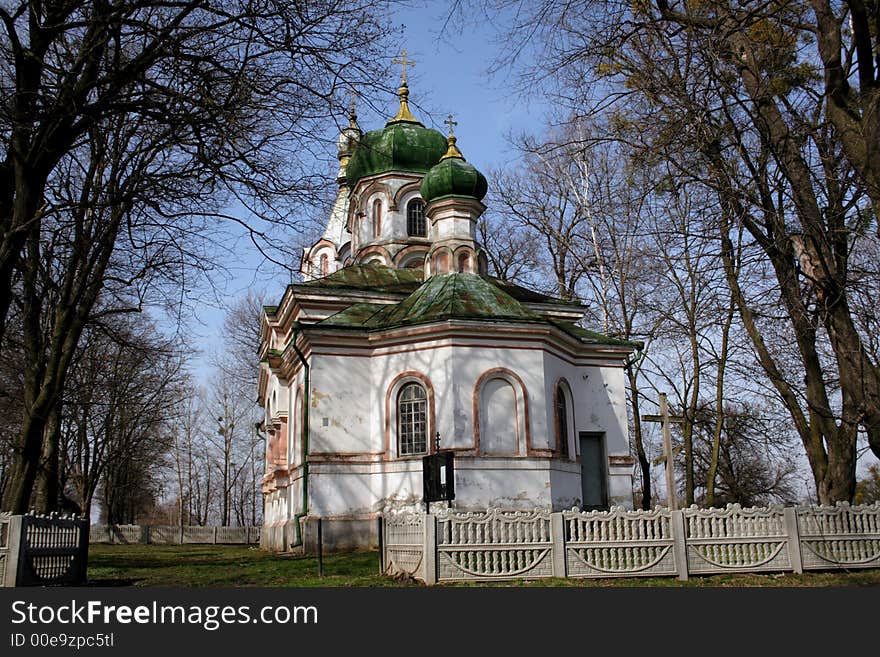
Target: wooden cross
(450, 123)
(404, 62)
(665, 420)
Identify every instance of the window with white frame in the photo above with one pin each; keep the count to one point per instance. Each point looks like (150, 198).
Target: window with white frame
(412, 420)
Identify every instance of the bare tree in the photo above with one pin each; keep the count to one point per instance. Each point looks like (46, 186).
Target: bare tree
(723, 94)
(124, 396)
(128, 129)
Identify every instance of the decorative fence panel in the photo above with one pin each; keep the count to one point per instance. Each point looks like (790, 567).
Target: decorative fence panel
(404, 539)
(840, 537)
(8, 552)
(618, 543)
(43, 550)
(493, 545)
(736, 540)
(173, 534)
(498, 545)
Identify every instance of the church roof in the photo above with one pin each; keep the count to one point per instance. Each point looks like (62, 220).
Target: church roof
(400, 146)
(379, 278)
(371, 277)
(453, 296)
(446, 296)
(526, 295)
(586, 335)
(453, 176)
(443, 297)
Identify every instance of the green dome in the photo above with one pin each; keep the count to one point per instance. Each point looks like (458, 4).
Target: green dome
(453, 176)
(400, 146)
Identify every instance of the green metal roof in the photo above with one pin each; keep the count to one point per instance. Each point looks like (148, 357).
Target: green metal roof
(521, 293)
(446, 296)
(372, 277)
(441, 297)
(453, 296)
(453, 176)
(399, 146)
(585, 335)
(358, 314)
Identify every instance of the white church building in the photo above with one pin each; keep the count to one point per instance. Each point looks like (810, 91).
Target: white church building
(398, 342)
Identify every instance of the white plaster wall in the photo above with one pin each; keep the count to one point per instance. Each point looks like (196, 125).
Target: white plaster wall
(470, 363)
(599, 398)
(351, 393)
(340, 413)
(359, 490)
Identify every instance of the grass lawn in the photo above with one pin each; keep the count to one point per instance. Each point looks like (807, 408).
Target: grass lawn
(236, 565)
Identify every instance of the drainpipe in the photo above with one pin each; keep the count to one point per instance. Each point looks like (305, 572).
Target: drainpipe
(305, 437)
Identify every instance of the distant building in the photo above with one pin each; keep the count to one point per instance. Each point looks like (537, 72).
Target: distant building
(398, 336)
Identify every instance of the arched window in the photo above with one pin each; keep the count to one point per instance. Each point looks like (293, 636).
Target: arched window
(325, 265)
(412, 422)
(415, 218)
(464, 261)
(561, 422)
(377, 218)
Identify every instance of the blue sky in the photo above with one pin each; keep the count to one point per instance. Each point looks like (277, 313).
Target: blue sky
(450, 76)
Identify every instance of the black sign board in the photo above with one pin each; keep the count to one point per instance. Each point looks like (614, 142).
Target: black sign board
(439, 477)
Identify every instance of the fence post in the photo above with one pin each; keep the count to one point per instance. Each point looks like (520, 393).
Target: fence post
(320, 547)
(679, 543)
(13, 550)
(83, 550)
(381, 537)
(794, 539)
(215, 535)
(429, 550)
(557, 545)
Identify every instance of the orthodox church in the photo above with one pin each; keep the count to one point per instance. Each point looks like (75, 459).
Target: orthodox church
(398, 344)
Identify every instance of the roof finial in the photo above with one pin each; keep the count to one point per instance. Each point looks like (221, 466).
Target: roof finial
(452, 149)
(352, 113)
(403, 113)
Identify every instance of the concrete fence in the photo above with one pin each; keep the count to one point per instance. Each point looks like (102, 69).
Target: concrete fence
(43, 550)
(499, 545)
(173, 534)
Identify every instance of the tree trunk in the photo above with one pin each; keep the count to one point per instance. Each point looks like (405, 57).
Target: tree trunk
(47, 492)
(644, 464)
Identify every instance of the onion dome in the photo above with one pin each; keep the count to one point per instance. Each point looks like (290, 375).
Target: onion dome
(453, 176)
(404, 144)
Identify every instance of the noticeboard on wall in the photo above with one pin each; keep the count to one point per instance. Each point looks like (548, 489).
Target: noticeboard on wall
(439, 477)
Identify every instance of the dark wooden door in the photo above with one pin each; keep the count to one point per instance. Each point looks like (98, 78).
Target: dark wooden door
(594, 474)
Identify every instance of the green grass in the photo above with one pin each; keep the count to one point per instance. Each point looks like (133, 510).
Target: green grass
(228, 565)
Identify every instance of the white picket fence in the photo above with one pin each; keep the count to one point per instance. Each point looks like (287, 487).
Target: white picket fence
(500, 545)
(173, 534)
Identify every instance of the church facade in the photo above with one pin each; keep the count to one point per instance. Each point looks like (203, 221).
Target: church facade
(398, 344)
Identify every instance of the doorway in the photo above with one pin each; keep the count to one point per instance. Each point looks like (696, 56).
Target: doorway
(594, 474)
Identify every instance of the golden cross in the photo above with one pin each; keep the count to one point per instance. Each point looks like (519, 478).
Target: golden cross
(403, 61)
(450, 123)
